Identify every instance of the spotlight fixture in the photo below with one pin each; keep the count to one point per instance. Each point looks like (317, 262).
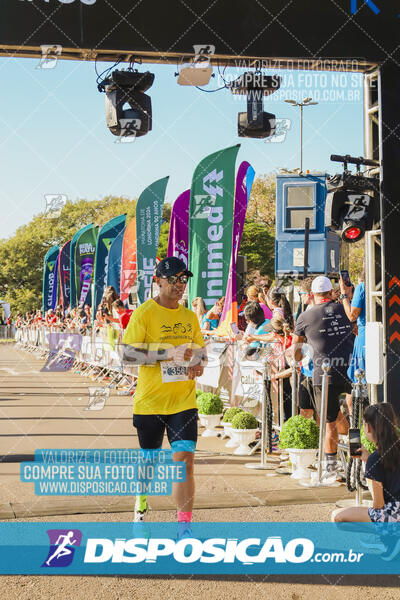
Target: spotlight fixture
(255, 123)
(128, 108)
(352, 200)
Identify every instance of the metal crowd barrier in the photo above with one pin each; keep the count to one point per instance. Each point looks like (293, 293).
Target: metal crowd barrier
(97, 356)
(7, 332)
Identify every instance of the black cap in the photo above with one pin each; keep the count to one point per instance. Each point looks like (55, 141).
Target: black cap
(171, 266)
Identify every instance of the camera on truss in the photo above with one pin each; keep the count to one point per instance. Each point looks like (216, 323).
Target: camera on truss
(352, 202)
(128, 108)
(256, 123)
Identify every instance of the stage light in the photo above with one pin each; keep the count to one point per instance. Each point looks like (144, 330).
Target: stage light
(255, 123)
(128, 108)
(352, 201)
(351, 233)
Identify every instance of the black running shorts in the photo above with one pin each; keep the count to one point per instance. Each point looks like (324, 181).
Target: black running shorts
(181, 430)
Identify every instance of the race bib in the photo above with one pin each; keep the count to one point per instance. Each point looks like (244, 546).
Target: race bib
(173, 371)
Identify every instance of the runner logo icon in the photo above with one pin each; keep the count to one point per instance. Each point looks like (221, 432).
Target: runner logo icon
(62, 542)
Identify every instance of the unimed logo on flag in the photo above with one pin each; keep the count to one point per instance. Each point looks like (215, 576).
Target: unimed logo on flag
(62, 547)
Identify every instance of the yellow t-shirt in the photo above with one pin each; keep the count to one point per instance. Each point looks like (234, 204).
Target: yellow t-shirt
(154, 327)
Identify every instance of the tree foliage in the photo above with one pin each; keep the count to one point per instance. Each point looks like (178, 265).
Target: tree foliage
(22, 255)
(258, 240)
(259, 246)
(356, 260)
(261, 207)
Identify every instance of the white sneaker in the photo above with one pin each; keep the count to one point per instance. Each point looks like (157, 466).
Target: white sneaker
(140, 515)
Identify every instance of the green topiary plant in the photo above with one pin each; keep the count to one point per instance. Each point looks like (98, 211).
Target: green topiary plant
(299, 432)
(244, 420)
(370, 446)
(210, 404)
(230, 413)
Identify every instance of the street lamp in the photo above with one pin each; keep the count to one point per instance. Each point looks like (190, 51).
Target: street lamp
(306, 102)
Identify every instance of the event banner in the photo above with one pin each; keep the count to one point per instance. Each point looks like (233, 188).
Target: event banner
(114, 262)
(56, 286)
(64, 267)
(128, 261)
(73, 271)
(178, 240)
(107, 235)
(49, 277)
(84, 263)
(148, 224)
(211, 225)
(145, 549)
(245, 176)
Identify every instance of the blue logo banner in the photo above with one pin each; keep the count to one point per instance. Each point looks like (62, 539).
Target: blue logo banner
(148, 548)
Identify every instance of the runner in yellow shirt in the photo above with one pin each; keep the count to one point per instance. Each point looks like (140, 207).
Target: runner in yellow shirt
(161, 336)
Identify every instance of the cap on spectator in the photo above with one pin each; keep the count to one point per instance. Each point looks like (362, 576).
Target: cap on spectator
(171, 266)
(321, 284)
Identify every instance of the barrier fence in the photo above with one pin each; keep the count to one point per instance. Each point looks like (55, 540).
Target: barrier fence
(257, 385)
(7, 332)
(239, 381)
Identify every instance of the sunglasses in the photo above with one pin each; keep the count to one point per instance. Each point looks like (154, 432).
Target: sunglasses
(173, 279)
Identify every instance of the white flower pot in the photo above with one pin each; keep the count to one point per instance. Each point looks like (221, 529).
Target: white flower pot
(226, 433)
(244, 437)
(301, 459)
(233, 441)
(210, 422)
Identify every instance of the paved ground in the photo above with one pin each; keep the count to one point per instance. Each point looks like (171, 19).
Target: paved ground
(47, 411)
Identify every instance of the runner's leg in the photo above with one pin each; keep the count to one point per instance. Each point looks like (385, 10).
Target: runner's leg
(182, 435)
(150, 430)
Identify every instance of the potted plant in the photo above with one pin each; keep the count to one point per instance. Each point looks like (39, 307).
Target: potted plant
(227, 423)
(210, 412)
(300, 437)
(244, 428)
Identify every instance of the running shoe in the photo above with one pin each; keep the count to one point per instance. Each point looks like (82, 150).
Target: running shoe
(140, 512)
(184, 531)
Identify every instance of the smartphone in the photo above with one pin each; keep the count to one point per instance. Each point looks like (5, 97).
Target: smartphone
(354, 442)
(346, 278)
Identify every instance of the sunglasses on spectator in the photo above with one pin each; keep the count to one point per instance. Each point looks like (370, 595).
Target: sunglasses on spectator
(173, 279)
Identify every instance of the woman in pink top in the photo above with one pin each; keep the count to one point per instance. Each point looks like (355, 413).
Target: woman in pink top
(280, 306)
(253, 296)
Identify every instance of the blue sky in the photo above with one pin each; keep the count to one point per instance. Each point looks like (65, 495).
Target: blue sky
(54, 139)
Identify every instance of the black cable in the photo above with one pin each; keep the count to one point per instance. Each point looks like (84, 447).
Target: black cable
(103, 76)
(268, 409)
(355, 465)
(351, 486)
(211, 91)
(222, 76)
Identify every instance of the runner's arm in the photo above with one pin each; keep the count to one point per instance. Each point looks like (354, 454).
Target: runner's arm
(143, 356)
(298, 341)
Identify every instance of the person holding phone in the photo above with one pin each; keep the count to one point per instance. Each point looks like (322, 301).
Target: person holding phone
(382, 469)
(355, 310)
(328, 333)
